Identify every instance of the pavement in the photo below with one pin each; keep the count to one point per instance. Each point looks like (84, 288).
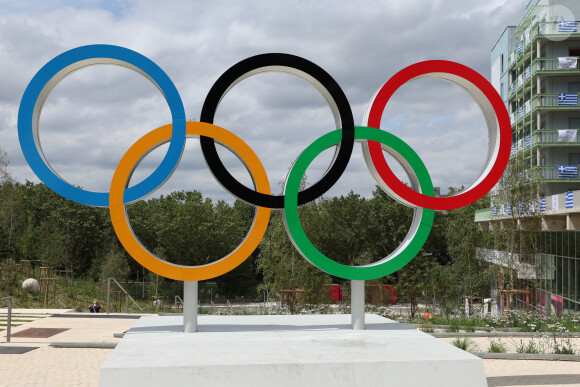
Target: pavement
(49, 366)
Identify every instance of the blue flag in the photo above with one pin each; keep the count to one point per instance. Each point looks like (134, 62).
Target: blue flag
(568, 26)
(569, 171)
(569, 199)
(567, 99)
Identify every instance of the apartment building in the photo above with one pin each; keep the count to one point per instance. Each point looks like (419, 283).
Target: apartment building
(535, 68)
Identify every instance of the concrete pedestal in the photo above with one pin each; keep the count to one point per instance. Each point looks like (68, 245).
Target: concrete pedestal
(309, 350)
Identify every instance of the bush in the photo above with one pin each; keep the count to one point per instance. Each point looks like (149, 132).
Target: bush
(530, 347)
(464, 344)
(496, 347)
(115, 265)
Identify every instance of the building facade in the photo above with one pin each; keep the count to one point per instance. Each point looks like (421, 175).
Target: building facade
(535, 68)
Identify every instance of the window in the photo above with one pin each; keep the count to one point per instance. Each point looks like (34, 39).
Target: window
(501, 64)
(573, 158)
(573, 87)
(574, 51)
(573, 123)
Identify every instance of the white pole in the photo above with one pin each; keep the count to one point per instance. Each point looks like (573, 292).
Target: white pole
(189, 306)
(357, 304)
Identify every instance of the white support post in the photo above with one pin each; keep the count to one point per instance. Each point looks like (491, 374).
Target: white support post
(190, 291)
(108, 295)
(357, 304)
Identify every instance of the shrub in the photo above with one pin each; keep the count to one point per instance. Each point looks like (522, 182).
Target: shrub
(464, 344)
(496, 347)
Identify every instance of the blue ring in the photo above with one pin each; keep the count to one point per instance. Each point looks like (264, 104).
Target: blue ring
(68, 58)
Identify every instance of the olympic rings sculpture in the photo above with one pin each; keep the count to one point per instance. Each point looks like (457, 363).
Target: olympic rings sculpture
(420, 196)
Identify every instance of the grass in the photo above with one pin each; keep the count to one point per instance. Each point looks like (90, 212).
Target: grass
(563, 350)
(496, 348)
(568, 322)
(464, 344)
(530, 347)
(563, 346)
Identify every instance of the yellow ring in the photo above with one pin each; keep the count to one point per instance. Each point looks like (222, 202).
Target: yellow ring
(157, 265)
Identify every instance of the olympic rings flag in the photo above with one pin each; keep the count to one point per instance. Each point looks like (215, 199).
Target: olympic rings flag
(419, 195)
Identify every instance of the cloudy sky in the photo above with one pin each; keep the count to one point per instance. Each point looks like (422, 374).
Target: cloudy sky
(94, 115)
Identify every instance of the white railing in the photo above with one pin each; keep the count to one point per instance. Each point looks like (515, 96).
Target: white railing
(551, 28)
(127, 297)
(550, 136)
(549, 64)
(549, 101)
(551, 172)
(9, 319)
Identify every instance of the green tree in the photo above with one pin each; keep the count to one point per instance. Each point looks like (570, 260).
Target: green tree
(519, 220)
(4, 172)
(416, 278)
(466, 275)
(115, 264)
(282, 266)
(340, 228)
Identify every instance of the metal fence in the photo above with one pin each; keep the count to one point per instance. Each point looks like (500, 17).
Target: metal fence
(9, 320)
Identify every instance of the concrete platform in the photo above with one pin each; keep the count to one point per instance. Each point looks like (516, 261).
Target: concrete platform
(298, 350)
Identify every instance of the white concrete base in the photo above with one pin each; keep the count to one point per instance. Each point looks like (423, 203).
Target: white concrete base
(298, 350)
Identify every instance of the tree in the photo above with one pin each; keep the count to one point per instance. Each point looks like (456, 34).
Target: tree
(7, 203)
(4, 172)
(282, 266)
(115, 264)
(341, 229)
(415, 278)
(467, 274)
(518, 219)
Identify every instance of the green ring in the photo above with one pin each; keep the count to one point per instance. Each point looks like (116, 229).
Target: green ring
(385, 266)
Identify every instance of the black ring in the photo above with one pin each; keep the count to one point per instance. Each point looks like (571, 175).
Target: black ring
(221, 87)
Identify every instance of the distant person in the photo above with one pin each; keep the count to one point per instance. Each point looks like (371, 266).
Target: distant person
(95, 307)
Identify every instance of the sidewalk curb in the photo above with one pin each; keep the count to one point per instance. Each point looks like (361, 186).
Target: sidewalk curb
(462, 327)
(442, 335)
(97, 315)
(63, 344)
(526, 356)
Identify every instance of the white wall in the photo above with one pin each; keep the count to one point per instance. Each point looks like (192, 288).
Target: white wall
(496, 75)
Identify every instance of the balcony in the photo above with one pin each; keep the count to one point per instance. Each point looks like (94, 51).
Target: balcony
(524, 83)
(483, 214)
(517, 59)
(550, 175)
(552, 29)
(546, 138)
(537, 31)
(550, 101)
(552, 65)
(551, 138)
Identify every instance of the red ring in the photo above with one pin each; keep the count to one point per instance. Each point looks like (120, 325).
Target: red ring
(374, 120)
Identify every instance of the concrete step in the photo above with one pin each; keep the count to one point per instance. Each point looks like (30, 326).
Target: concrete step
(19, 319)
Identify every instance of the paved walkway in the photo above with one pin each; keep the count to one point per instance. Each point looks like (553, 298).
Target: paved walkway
(532, 373)
(48, 366)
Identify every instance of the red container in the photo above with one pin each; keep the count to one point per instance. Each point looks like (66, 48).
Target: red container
(382, 294)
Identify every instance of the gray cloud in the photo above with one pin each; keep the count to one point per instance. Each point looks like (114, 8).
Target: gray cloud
(93, 116)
